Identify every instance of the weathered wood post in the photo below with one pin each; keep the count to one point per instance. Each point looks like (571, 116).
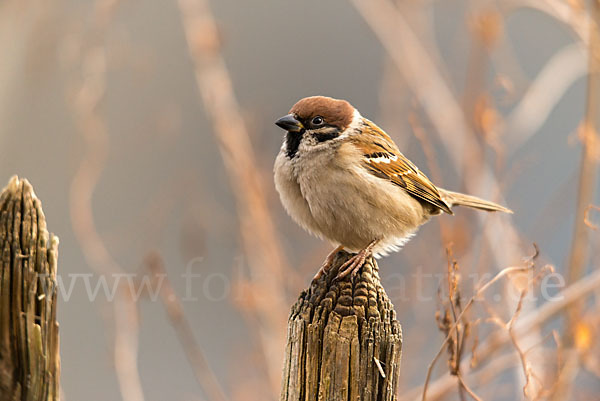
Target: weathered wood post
(29, 358)
(343, 340)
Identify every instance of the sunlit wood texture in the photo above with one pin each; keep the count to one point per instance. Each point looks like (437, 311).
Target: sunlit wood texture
(343, 340)
(29, 357)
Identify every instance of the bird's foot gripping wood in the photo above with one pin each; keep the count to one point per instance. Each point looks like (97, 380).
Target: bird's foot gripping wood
(355, 262)
(327, 263)
(343, 339)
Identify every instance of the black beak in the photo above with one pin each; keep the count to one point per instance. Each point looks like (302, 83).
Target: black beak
(289, 123)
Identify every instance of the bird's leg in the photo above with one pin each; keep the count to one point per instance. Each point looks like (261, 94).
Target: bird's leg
(327, 263)
(353, 264)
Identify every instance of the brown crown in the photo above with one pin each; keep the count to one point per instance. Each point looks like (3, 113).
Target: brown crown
(335, 112)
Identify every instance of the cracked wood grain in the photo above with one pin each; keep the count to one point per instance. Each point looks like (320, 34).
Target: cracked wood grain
(29, 357)
(341, 335)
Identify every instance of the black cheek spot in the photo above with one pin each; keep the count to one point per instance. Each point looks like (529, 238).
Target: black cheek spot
(326, 137)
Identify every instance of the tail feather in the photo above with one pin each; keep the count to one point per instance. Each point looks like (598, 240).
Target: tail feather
(458, 199)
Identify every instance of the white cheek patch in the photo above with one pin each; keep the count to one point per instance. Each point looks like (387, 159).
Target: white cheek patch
(353, 127)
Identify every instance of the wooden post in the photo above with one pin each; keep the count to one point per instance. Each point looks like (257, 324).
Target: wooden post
(29, 358)
(343, 340)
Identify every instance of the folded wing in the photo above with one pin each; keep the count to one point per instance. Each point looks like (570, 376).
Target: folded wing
(382, 158)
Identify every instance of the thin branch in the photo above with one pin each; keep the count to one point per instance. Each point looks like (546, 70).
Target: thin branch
(589, 163)
(467, 388)
(89, 96)
(126, 345)
(558, 75)
(434, 94)
(204, 374)
(261, 245)
(578, 21)
(477, 295)
(534, 319)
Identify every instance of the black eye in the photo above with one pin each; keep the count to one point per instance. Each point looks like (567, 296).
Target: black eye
(318, 120)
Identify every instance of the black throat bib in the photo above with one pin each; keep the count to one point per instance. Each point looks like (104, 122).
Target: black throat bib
(292, 142)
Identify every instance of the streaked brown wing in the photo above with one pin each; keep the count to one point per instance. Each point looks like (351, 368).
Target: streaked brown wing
(383, 159)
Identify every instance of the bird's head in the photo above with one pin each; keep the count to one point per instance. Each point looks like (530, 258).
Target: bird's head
(315, 120)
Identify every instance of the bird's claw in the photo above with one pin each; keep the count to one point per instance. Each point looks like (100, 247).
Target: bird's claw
(353, 265)
(327, 263)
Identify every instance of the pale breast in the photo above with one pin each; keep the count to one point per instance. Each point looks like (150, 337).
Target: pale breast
(286, 183)
(352, 207)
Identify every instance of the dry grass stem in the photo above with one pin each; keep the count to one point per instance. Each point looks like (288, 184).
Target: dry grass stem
(202, 371)
(533, 388)
(559, 74)
(467, 389)
(89, 95)
(457, 83)
(576, 19)
(448, 317)
(588, 176)
(434, 94)
(261, 244)
(532, 320)
(126, 345)
(478, 294)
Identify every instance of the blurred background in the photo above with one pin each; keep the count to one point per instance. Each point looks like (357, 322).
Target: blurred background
(146, 128)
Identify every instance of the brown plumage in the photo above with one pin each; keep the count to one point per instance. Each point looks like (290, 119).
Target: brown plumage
(384, 160)
(342, 177)
(336, 112)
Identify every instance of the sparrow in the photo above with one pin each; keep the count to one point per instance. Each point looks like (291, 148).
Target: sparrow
(342, 178)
